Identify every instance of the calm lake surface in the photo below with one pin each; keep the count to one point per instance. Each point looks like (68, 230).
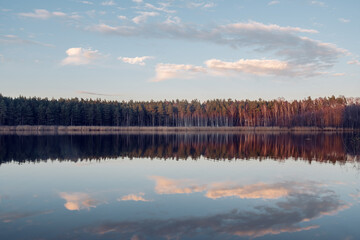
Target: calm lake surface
(186, 186)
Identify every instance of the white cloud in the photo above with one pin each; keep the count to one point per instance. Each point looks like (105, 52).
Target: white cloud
(252, 66)
(121, 17)
(338, 74)
(87, 2)
(108, 3)
(144, 16)
(260, 27)
(163, 7)
(209, 5)
(135, 60)
(137, 1)
(172, 20)
(344, 20)
(318, 3)
(98, 94)
(273, 3)
(355, 62)
(80, 56)
(45, 14)
(201, 5)
(218, 68)
(171, 71)
(13, 39)
(282, 41)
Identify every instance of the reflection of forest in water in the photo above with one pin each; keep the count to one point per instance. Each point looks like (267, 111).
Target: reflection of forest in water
(310, 147)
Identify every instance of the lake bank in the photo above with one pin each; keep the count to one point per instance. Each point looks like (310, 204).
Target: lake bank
(26, 129)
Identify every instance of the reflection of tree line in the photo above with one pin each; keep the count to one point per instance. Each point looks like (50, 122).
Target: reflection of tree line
(319, 147)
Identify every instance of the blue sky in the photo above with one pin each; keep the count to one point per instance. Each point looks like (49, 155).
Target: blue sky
(186, 49)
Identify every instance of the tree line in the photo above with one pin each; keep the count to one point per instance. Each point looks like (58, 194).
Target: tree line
(319, 112)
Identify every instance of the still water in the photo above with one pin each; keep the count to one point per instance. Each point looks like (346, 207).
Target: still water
(186, 186)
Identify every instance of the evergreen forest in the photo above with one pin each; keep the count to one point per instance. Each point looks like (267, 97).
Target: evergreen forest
(339, 112)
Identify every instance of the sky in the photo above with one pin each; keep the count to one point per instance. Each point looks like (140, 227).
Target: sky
(179, 49)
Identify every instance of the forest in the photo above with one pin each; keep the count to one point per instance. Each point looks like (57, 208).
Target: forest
(338, 112)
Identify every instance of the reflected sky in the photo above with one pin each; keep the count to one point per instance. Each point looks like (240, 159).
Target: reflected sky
(157, 198)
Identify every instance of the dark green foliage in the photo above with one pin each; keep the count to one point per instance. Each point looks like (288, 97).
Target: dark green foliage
(320, 112)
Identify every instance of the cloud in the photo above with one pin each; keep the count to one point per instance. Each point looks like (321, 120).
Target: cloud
(78, 201)
(344, 20)
(163, 7)
(13, 216)
(209, 5)
(137, 1)
(135, 60)
(252, 66)
(286, 215)
(108, 3)
(45, 14)
(338, 74)
(98, 94)
(318, 3)
(273, 3)
(144, 16)
(283, 42)
(87, 2)
(201, 5)
(170, 71)
(134, 197)
(13, 39)
(216, 68)
(172, 20)
(355, 62)
(80, 56)
(121, 17)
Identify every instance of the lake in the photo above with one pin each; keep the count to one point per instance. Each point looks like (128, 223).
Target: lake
(180, 186)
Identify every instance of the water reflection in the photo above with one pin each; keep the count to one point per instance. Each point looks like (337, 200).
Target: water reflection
(9, 217)
(131, 196)
(134, 197)
(288, 215)
(310, 147)
(78, 200)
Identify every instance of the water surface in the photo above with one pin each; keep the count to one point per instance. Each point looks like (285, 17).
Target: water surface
(202, 186)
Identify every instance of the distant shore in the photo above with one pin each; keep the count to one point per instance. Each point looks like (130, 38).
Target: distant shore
(26, 129)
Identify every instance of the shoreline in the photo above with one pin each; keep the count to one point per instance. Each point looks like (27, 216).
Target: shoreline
(87, 130)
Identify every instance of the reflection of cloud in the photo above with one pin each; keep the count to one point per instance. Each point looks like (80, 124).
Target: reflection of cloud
(171, 186)
(284, 216)
(78, 200)
(223, 189)
(259, 190)
(356, 196)
(13, 216)
(134, 197)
